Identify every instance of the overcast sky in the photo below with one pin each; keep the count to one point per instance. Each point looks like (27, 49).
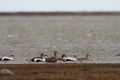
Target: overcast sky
(59, 5)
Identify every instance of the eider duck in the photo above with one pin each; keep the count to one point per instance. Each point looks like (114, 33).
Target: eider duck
(6, 58)
(85, 58)
(67, 58)
(53, 58)
(39, 59)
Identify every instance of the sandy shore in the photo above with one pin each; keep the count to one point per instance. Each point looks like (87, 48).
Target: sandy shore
(60, 72)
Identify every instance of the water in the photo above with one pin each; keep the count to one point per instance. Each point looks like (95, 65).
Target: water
(26, 37)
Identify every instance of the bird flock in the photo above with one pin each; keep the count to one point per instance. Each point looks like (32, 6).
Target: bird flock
(44, 58)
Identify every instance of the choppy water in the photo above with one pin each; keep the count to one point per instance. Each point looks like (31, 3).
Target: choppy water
(26, 37)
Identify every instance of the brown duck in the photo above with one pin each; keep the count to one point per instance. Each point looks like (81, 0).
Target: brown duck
(53, 58)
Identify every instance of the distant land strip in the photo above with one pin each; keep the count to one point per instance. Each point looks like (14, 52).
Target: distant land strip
(58, 13)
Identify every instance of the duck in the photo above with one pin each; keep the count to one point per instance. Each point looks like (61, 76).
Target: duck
(7, 58)
(52, 59)
(42, 58)
(67, 58)
(84, 58)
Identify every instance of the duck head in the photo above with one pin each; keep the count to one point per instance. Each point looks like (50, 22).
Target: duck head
(55, 53)
(63, 55)
(42, 54)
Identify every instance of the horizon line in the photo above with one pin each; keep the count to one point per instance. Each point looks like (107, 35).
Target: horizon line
(24, 13)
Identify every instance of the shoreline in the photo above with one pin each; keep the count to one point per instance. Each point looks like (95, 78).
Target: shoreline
(61, 72)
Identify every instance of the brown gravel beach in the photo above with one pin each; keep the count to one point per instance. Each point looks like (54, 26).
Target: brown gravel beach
(62, 72)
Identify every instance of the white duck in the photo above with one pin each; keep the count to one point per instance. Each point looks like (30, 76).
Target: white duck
(39, 59)
(6, 58)
(67, 58)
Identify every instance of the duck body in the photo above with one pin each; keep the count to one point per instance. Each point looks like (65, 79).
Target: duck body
(67, 58)
(5, 58)
(38, 59)
(52, 59)
(85, 58)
